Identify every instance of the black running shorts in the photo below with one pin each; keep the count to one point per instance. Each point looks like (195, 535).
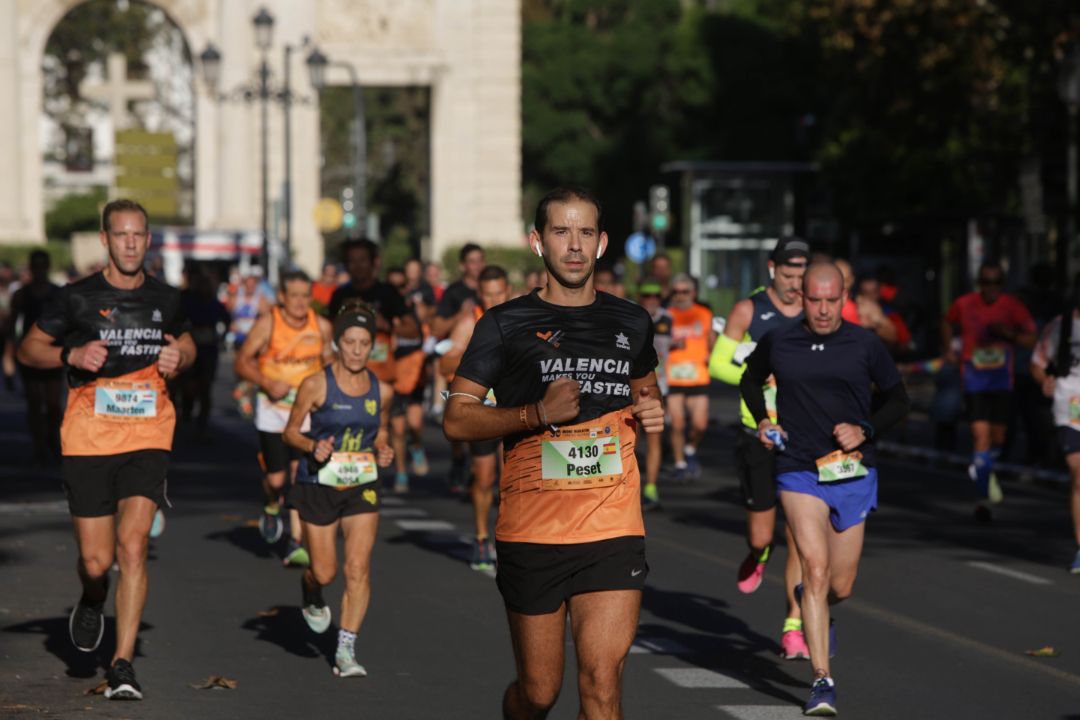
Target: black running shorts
(757, 472)
(274, 454)
(322, 505)
(992, 406)
(536, 579)
(1069, 439)
(688, 390)
(484, 447)
(94, 484)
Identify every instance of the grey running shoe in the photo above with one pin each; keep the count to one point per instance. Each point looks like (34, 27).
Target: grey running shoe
(345, 664)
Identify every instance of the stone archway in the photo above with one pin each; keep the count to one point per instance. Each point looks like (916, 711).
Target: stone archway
(469, 53)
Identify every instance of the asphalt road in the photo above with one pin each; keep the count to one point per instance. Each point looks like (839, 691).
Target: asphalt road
(943, 612)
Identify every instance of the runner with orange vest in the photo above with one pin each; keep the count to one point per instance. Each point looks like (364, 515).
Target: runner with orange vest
(120, 335)
(285, 346)
(573, 371)
(687, 370)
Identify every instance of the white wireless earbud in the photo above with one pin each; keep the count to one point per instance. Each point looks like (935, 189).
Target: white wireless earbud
(599, 252)
(772, 273)
(539, 252)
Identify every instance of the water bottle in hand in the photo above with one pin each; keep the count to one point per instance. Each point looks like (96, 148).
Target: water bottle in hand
(776, 437)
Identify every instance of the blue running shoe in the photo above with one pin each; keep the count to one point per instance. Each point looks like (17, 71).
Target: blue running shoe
(1075, 569)
(270, 524)
(693, 467)
(822, 702)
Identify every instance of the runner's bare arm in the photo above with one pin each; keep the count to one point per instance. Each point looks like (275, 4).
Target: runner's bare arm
(326, 329)
(647, 408)
(310, 395)
(407, 326)
(37, 350)
(467, 418)
(247, 364)
(384, 451)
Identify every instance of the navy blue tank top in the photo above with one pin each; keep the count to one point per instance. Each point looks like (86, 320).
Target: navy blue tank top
(353, 422)
(767, 316)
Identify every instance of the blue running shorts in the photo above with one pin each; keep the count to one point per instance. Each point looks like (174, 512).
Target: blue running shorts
(849, 502)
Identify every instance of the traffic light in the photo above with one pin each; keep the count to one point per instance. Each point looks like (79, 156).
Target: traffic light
(659, 210)
(348, 220)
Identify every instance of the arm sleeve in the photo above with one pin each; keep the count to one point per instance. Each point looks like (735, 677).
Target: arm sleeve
(893, 410)
(885, 375)
(53, 320)
(722, 365)
(646, 361)
(753, 380)
(483, 359)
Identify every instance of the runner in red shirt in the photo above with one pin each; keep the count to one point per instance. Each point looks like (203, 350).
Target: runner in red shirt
(991, 325)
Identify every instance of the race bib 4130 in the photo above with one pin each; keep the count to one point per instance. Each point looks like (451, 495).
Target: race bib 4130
(581, 458)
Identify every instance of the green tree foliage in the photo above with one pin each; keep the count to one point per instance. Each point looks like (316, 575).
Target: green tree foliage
(914, 107)
(398, 157)
(934, 105)
(74, 213)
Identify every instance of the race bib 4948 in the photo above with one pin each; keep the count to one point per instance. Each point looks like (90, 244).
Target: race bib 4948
(125, 400)
(581, 458)
(347, 469)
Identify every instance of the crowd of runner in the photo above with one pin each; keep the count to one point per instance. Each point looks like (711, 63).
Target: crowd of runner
(543, 388)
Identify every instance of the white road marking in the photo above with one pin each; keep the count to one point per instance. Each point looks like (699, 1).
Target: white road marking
(389, 500)
(658, 646)
(403, 512)
(424, 525)
(699, 678)
(48, 507)
(1007, 572)
(761, 712)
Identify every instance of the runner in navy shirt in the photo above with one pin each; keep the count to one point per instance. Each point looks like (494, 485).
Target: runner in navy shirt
(825, 370)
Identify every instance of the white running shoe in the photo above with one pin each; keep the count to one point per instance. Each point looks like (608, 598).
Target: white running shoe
(345, 664)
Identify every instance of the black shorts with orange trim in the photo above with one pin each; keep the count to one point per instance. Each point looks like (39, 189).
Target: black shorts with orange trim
(537, 578)
(95, 484)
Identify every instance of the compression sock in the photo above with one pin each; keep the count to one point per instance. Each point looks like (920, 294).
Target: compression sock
(346, 639)
(982, 465)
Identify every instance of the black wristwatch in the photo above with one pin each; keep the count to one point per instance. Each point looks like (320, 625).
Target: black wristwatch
(65, 352)
(867, 428)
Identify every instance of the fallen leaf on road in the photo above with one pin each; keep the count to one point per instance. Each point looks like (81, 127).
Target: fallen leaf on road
(232, 518)
(1047, 651)
(216, 682)
(252, 523)
(98, 689)
(272, 612)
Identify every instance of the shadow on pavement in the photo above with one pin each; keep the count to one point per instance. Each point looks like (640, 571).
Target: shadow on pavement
(287, 629)
(249, 540)
(58, 643)
(717, 641)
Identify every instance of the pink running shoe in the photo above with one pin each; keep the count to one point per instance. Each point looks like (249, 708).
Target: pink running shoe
(793, 646)
(752, 571)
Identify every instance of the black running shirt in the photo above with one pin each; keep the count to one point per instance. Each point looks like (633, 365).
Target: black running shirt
(821, 380)
(132, 322)
(521, 346)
